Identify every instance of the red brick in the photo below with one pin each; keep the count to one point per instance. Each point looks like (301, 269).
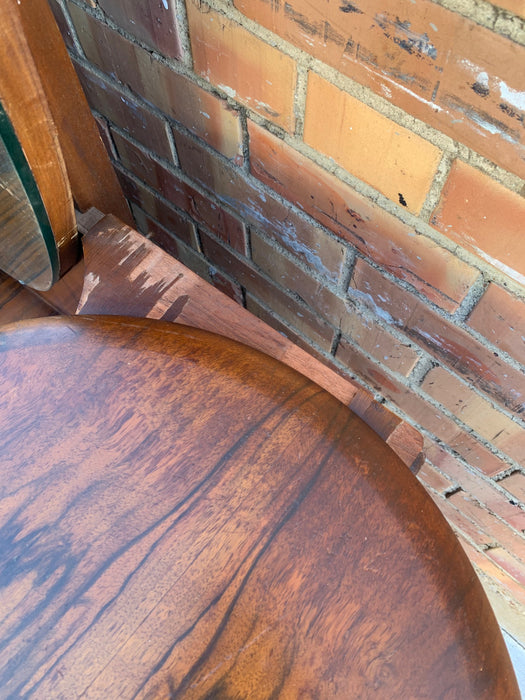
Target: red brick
(431, 478)
(379, 343)
(511, 590)
(436, 422)
(478, 487)
(141, 123)
(497, 532)
(483, 217)
(476, 412)
(452, 345)
(243, 66)
(508, 563)
(387, 156)
(284, 305)
(515, 484)
(166, 182)
(432, 270)
(226, 286)
(257, 309)
(160, 211)
(103, 130)
(426, 59)
(370, 337)
(174, 246)
(306, 241)
(202, 113)
(153, 23)
(500, 317)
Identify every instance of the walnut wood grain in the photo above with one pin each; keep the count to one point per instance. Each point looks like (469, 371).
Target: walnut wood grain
(127, 274)
(182, 516)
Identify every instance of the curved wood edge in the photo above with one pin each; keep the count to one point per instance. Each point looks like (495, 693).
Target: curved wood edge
(24, 100)
(92, 178)
(126, 274)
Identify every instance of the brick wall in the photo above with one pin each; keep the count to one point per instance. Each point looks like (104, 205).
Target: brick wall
(352, 173)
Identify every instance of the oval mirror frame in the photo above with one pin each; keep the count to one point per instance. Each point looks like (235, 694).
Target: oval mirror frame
(30, 140)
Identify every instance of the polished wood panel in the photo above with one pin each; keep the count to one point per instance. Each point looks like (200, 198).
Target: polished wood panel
(24, 101)
(91, 176)
(182, 516)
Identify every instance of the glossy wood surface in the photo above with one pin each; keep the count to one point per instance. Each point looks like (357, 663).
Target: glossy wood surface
(182, 516)
(24, 101)
(124, 273)
(91, 176)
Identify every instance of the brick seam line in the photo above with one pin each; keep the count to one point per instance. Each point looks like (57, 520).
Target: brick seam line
(71, 27)
(181, 18)
(419, 226)
(469, 259)
(313, 273)
(513, 466)
(495, 543)
(323, 281)
(406, 381)
(362, 188)
(355, 89)
(494, 485)
(503, 457)
(497, 19)
(362, 311)
(370, 98)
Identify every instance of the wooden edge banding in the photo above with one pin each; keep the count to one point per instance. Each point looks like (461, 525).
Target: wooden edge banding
(126, 274)
(92, 178)
(24, 101)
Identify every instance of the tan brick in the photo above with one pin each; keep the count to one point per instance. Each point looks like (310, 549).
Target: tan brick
(307, 242)
(378, 151)
(500, 317)
(515, 6)
(204, 114)
(515, 484)
(483, 217)
(450, 344)
(432, 270)
(153, 23)
(141, 123)
(187, 198)
(476, 412)
(433, 63)
(246, 68)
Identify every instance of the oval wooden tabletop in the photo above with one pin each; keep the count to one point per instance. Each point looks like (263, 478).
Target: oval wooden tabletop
(182, 516)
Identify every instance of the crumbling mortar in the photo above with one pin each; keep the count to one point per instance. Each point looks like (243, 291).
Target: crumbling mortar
(436, 188)
(184, 33)
(71, 27)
